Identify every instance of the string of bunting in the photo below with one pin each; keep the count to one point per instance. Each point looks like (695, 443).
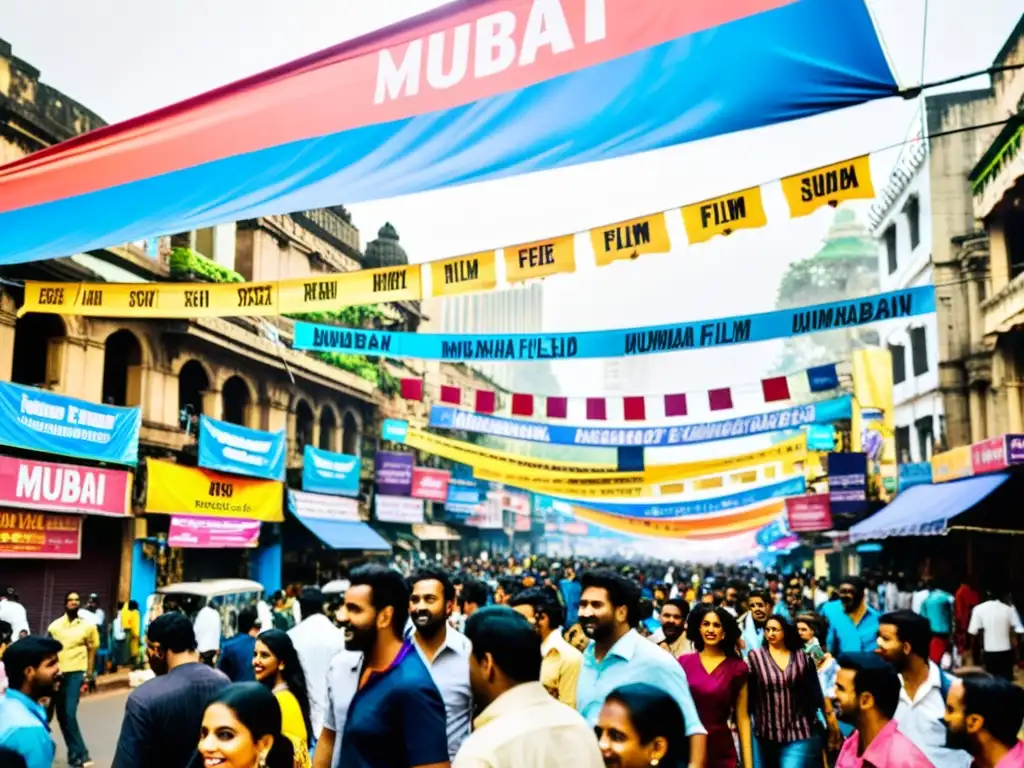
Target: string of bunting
(804, 192)
(773, 389)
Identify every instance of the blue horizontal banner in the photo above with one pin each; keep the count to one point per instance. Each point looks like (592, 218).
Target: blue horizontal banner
(826, 411)
(38, 420)
(698, 334)
(795, 486)
(227, 447)
(332, 473)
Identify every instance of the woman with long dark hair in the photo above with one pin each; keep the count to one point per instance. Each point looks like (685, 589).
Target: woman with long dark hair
(640, 726)
(276, 665)
(242, 728)
(718, 682)
(785, 699)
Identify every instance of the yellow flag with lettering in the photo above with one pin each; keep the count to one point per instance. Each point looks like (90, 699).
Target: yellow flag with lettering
(464, 274)
(629, 239)
(327, 292)
(541, 258)
(175, 489)
(724, 215)
(829, 185)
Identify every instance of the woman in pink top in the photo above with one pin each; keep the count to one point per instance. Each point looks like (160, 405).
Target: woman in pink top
(867, 694)
(718, 682)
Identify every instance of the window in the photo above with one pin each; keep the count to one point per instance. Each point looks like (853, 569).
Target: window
(899, 363)
(903, 453)
(925, 437)
(889, 237)
(919, 350)
(913, 211)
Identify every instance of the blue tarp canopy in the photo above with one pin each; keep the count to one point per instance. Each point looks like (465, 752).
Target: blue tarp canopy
(345, 534)
(925, 510)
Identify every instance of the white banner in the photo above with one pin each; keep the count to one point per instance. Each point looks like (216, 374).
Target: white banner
(399, 509)
(320, 507)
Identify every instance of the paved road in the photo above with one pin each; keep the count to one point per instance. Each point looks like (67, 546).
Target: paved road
(99, 716)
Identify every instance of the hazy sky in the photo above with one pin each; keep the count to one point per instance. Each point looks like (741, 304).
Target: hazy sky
(124, 57)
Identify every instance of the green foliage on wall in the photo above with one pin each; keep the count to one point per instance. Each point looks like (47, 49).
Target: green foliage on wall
(187, 263)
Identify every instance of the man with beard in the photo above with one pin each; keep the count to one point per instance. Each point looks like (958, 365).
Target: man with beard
(397, 717)
(853, 624)
(983, 717)
(903, 641)
(560, 662)
(80, 640)
(752, 622)
(162, 712)
(732, 600)
(617, 655)
(32, 667)
(867, 693)
(444, 650)
(672, 634)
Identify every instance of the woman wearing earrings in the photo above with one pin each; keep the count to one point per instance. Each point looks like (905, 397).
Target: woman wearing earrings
(276, 665)
(242, 729)
(641, 726)
(718, 682)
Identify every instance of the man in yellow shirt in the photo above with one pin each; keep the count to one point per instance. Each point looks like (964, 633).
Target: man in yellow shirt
(560, 662)
(80, 640)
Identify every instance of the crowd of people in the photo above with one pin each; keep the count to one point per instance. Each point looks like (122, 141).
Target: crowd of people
(474, 664)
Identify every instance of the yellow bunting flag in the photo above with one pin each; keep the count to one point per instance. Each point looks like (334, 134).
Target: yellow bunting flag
(174, 489)
(829, 185)
(152, 299)
(699, 526)
(629, 239)
(540, 259)
(365, 286)
(464, 274)
(724, 215)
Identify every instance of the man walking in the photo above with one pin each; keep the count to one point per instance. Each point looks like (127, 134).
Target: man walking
(853, 624)
(236, 657)
(79, 640)
(996, 621)
(520, 725)
(13, 612)
(752, 622)
(32, 667)
(672, 634)
(316, 641)
(560, 662)
(208, 631)
(162, 713)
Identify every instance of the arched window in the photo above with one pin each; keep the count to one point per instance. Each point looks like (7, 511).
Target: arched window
(303, 424)
(235, 394)
(328, 429)
(122, 369)
(351, 437)
(38, 348)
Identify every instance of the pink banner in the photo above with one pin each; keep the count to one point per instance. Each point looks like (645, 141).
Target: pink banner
(213, 533)
(50, 487)
(989, 455)
(430, 484)
(809, 513)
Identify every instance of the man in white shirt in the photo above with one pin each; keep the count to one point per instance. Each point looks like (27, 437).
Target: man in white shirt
(316, 641)
(919, 596)
(207, 628)
(904, 638)
(13, 612)
(995, 619)
(821, 594)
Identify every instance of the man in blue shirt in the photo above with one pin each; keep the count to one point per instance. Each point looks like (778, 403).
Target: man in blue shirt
(938, 609)
(32, 669)
(853, 624)
(236, 654)
(609, 609)
(571, 592)
(396, 718)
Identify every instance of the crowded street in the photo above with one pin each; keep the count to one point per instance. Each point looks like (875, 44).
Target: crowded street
(511, 384)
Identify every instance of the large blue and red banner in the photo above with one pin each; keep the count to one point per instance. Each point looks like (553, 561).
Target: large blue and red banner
(478, 89)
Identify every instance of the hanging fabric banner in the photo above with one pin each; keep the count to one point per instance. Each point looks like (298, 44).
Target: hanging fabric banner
(331, 473)
(463, 93)
(823, 412)
(629, 239)
(724, 215)
(540, 259)
(706, 526)
(829, 185)
(227, 447)
(463, 274)
(175, 489)
(699, 334)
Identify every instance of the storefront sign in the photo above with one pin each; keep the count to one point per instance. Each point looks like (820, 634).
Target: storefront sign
(320, 507)
(430, 484)
(463, 491)
(989, 455)
(394, 473)
(173, 489)
(399, 509)
(919, 473)
(847, 482)
(39, 536)
(1015, 449)
(488, 514)
(213, 533)
(329, 472)
(809, 513)
(952, 465)
(52, 487)
(37, 420)
(227, 447)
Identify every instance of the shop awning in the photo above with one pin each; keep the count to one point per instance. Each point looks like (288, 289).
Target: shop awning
(435, 533)
(344, 534)
(925, 510)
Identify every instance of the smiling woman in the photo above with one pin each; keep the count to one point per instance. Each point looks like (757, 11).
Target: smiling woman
(242, 729)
